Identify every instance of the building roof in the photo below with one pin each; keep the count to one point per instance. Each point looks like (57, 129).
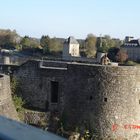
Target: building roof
(136, 41)
(132, 43)
(71, 40)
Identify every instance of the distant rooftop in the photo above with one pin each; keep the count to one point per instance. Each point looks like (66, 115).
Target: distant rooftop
(136, 41)
(71, 40)
(132, 43)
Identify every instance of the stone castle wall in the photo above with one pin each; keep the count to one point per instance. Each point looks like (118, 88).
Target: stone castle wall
(35, 84)
(104, 99)
(6, 104)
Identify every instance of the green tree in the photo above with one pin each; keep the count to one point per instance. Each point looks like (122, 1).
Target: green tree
(17, 97)
(117, 55)
(51, 45)
(45, 43)
(105, 43)
(118, 43)
(55, 46)
(28, 42)
(8, 38)
(112, 52)
(102, 45)
(34, 43)
(90, 45)
(25, 42)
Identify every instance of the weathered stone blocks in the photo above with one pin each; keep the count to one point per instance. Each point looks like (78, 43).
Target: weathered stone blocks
(103, 99)
(6, 104)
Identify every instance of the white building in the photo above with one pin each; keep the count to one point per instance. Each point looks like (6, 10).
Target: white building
(71, 48)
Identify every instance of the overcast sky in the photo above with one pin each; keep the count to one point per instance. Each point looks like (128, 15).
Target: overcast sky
(62, 18)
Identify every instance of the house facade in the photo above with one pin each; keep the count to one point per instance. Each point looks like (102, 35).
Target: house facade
(71, 48)
(132, 47)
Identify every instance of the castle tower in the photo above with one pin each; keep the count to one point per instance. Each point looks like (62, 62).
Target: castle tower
(71, 48)
(104, 100)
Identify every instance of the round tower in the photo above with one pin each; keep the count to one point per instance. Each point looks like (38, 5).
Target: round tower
(7, 108)
(105, 100)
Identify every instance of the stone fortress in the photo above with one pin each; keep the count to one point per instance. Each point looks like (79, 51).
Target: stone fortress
(103, 99)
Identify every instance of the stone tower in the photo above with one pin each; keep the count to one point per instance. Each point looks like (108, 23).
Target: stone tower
(71, 48)
(7, 108)
(105, 100)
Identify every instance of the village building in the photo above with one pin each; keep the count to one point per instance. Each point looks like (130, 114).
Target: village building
(71, 48)
(132, 47)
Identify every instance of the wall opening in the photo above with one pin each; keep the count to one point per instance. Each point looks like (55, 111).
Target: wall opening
(105, 99)
(1, 76)
(90, 98)
(54, 91)
(47, 105)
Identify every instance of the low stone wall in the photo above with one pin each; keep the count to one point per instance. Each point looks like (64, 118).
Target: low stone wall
(40, 119)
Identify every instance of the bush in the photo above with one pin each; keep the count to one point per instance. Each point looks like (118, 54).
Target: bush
(15, 86)
(130, 63)
(18, 102)
(16, 96)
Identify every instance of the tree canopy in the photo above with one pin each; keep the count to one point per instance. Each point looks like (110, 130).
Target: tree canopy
(104, 43)
(51, 45)
(28, 42)
(90, 45)
(8, 38)
(117, 55)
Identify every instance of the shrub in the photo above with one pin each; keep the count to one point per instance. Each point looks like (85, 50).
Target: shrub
(130, 63)
(16, 96)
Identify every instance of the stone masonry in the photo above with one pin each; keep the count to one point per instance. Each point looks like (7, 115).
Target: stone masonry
(6, 104)
(103, 99)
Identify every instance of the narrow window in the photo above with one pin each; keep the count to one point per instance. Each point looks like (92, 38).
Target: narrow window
(54, 91)
(105, 99)
(90, 98)
(139, 101)
(47, 105)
